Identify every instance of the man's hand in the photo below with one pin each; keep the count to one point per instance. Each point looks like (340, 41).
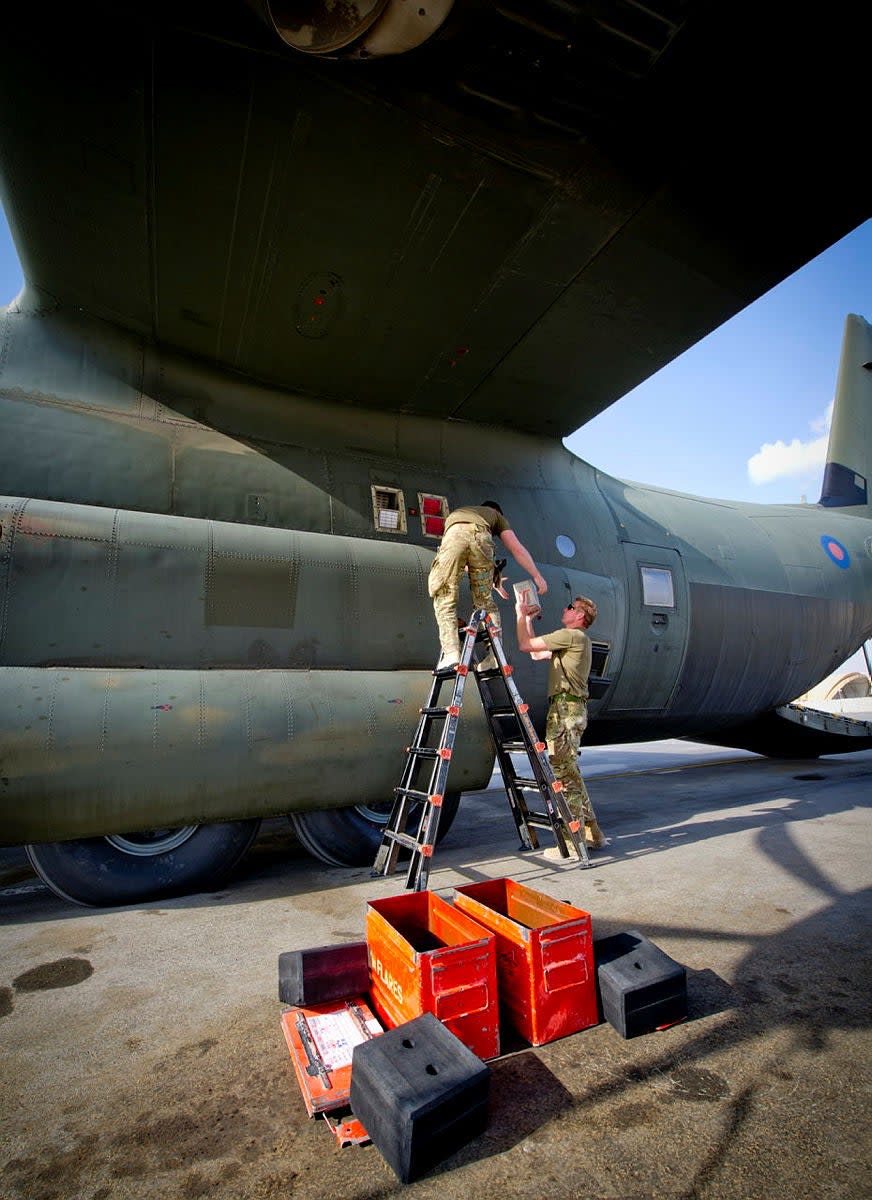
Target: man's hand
(528, 610)
(500, 579)
(541, 585)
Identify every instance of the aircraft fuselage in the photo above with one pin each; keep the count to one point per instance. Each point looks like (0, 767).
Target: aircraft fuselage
(194, 574)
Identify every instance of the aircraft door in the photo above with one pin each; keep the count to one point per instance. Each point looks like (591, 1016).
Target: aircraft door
(657, 624)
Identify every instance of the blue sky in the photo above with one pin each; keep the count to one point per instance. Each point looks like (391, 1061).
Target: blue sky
(743, 414)
(10, 271)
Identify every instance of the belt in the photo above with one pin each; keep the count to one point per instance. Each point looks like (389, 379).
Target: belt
(565, 696)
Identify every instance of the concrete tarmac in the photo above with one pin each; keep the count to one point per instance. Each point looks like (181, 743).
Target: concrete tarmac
(141, 1054)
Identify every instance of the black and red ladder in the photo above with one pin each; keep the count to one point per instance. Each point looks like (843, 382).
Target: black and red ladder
(432, 747)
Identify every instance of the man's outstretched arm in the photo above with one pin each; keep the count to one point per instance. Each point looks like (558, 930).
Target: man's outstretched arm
(527, 641)
(523, 558)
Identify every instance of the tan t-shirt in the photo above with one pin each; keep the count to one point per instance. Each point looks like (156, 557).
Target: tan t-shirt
(481, 516)
(570, 661)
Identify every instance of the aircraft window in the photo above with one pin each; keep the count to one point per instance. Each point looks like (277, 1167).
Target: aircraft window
(388, 510)
(657, 587)
(565, 545)
(433, 510)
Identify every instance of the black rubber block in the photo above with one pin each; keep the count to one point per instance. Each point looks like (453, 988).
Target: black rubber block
(639, 987)
(323, 973)
(420, 1093)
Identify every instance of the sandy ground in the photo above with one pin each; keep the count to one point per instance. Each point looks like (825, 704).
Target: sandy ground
(142, 1054)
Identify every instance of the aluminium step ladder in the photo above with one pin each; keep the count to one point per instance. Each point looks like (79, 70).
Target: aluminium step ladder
(432, 746)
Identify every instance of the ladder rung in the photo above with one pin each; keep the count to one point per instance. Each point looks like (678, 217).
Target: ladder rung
(412, 792)
(404, 839)
(441, 711)
(515, 747)
(459, 668)
(428, 752)
(543, 821)
(501, 710)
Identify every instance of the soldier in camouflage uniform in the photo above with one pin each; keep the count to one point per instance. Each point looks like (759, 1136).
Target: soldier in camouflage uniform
(569, 652)
(467, 543)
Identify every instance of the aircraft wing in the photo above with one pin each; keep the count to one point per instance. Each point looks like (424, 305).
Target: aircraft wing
(514, 224)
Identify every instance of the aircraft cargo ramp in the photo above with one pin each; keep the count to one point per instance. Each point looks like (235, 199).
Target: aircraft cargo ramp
(840, 705)
(850, 718)
(833, 717)
(805, 728)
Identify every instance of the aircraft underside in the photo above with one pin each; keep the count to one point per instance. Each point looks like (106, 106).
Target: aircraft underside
(294, 290)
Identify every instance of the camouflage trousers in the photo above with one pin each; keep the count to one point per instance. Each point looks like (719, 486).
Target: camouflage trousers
(463, 546)
(564, 727)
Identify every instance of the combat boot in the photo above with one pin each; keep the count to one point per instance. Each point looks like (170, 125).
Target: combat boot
(594, 838)
(489, 662)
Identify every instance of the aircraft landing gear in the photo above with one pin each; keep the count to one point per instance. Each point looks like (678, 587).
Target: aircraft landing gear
(134, 867)
(350, 837)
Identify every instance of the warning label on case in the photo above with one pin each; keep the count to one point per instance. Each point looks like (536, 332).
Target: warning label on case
(336, 1035)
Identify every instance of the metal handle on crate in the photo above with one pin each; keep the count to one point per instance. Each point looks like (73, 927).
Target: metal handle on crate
(316, 1063)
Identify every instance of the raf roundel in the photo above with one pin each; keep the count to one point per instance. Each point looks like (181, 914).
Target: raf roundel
(834, 550)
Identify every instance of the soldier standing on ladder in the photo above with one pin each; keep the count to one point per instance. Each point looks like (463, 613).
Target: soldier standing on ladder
(569, 651)
(468, 542)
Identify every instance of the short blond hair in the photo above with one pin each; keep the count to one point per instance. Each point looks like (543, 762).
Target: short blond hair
(588, 607)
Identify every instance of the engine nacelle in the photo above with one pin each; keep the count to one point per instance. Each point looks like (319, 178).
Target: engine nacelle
(359, 30)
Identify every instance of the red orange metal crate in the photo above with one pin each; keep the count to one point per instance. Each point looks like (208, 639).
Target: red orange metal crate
(428, 956)
(545, 964)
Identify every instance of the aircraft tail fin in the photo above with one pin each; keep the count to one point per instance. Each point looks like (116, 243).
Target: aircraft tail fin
(848, 473)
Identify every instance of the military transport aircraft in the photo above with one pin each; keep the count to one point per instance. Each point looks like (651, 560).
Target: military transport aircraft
(302, 276)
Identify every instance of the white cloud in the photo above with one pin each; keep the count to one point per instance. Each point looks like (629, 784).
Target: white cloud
(821, 425)
(775, 460)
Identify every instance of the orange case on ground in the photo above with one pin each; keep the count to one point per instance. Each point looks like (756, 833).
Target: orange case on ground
(545, 965)
(427, 956)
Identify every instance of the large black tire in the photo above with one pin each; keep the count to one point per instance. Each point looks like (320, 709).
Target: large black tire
(350, 837)
(135, 867)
